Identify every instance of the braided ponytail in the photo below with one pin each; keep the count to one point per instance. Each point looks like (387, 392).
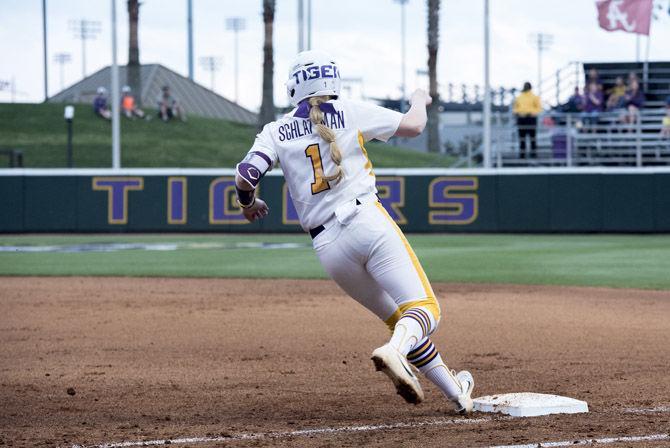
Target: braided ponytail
(316, 117)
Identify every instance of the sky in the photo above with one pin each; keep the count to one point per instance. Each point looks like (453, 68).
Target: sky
(363, 35)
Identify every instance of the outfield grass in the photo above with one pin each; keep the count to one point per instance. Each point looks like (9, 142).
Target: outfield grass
(40, 131)
(622, 261)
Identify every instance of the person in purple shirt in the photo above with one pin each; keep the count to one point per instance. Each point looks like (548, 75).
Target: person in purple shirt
(633, 102)
(575, 102)
(100, 106)
(593, 106)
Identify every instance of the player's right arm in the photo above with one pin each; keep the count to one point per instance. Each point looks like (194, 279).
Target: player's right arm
(414, 120)
(259, 160)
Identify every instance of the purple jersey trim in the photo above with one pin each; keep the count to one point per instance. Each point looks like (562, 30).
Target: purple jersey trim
(263, 156)
(304, 107)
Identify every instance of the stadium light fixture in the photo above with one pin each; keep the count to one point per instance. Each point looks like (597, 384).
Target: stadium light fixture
(212, 65)
(85, 30)
(236, 24)
(61, 59)
(542, 41)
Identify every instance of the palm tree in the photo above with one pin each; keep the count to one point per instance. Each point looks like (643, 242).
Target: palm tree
(133, 69)
(267, 113)
(433, 44)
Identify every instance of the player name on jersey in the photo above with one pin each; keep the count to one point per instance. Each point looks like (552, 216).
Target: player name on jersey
(297, 129)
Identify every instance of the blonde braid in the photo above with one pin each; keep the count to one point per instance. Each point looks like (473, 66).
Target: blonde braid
(316, 117)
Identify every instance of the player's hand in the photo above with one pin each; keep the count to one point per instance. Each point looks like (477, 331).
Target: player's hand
(257, 211)
(420, 96)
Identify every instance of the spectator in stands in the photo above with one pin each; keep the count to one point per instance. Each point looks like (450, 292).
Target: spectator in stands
(128, 105)
(665, 131)
(100, 106)
(633, 101)
(168, 106)
(527, 107)
(616, 95)
(575, 103)
(594, 78)
(593, 106)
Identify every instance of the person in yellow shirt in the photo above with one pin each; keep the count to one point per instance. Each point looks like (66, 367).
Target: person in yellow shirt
(665, 131)
(527, 107)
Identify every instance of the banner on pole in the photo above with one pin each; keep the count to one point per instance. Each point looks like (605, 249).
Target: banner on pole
(631, 16)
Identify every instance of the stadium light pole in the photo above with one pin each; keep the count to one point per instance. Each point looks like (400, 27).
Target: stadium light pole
(236, 24)
(61, 59)
(403, 55)
(212, 65)
(487, 90)
(301, 25)
(84, 30)
(189, 26)
(44, 47)
(309, 24)
(116, 125)
(542, 42)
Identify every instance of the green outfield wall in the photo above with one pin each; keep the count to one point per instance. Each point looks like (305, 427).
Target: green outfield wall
(557, 200)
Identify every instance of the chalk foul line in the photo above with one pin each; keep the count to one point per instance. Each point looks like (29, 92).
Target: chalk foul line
(300, 432)
(601, 441)
(390, 426)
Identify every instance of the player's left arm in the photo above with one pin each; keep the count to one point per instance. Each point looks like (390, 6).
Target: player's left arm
(249, 172)
(253, 208)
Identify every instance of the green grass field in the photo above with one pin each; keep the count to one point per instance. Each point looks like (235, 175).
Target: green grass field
(40, 131)
(622, 261)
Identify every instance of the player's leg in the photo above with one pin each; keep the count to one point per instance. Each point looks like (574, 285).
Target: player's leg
(341, 259)
(395, 267)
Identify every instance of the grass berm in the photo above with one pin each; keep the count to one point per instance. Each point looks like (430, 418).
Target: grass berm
(39, 130)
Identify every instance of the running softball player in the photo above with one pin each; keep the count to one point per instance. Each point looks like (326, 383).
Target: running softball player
(320, 147)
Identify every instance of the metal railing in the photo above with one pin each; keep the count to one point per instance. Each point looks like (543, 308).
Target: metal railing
(564, 139)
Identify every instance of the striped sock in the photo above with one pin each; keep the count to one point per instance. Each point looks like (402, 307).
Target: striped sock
(427, 359)
(414, 326)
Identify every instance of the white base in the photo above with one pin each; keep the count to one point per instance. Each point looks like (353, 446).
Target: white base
(528, 404)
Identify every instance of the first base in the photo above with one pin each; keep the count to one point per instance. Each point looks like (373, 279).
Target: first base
(528, 404)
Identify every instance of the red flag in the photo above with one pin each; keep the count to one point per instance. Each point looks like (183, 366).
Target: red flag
(632, 16)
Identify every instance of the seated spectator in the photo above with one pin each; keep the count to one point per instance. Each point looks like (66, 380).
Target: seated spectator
(593, 106)
(665, 131)
(616, 95)
(128, 105)
(633, 101)
(168, 106)
(594, 78)
(632, 76)
(100, 106)
(575, 103)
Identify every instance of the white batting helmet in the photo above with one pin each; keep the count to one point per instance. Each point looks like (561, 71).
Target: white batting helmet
(312, 73)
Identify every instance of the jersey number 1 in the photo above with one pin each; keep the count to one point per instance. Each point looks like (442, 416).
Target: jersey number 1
(314, 154)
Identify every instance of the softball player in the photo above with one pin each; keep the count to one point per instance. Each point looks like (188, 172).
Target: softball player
(320, 147)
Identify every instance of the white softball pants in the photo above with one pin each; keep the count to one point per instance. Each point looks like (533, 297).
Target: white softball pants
(372, 261)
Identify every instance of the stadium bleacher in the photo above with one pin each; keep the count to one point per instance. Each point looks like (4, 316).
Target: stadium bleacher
(564, 140)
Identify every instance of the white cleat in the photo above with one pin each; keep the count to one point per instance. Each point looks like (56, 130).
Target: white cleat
(463, 402)
(395, 366)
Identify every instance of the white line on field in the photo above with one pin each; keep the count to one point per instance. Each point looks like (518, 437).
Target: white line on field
(382, 427)
(301, 432)
(605, 440)
(657, 410)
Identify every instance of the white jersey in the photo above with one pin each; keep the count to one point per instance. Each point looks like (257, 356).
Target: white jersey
(302, 153)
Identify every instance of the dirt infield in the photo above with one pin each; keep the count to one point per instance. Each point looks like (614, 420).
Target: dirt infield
(218, 360)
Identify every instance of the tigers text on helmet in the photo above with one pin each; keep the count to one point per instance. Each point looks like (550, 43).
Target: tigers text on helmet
(312, 73)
